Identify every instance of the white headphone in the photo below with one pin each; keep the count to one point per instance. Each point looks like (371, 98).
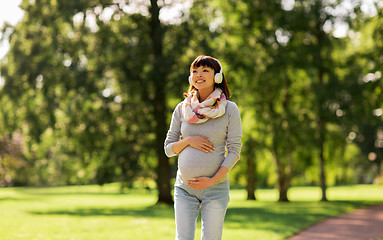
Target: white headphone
(218, 77)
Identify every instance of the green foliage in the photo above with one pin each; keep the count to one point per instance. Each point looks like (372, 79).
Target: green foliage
(85, 97)
(86, 88)
(275, 56)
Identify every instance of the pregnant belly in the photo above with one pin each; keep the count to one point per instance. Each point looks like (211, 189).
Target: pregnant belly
(195, 163)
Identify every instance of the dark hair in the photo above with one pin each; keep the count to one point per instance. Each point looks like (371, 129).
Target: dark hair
(207, 61)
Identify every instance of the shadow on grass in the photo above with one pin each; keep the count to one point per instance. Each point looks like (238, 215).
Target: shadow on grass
(12, 199)
(44, 191)
(156, 211)
(286, 218)
(277, 217)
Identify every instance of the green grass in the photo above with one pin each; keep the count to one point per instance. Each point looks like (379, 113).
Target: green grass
(92, 212)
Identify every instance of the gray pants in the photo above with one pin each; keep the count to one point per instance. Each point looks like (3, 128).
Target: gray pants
(213, 202)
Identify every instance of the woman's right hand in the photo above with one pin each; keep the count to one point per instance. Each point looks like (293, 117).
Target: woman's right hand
(201, 143)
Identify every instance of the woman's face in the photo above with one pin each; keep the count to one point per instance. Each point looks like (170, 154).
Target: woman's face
(203, 78)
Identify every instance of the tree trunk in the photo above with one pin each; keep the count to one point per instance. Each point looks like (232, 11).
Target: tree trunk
(322, 160)
(251, 171)
(282, 184)
(163, 168)
(288, 147)
(321, 120)
(158, 77)
(250, 179)
(282, 179)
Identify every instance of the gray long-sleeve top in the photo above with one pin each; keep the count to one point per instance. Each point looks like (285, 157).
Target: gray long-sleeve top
(224, 132)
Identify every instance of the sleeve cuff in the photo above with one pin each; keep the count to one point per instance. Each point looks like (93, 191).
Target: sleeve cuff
(169, 150)
(230, 161)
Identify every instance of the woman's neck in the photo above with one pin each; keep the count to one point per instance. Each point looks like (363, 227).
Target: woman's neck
(204, 93)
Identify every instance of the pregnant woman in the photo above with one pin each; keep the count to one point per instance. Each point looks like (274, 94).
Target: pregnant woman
(205, 133)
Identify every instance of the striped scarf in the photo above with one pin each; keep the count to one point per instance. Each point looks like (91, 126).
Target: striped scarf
(213, 107)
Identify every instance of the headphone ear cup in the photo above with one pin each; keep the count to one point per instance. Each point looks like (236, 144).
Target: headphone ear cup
(218, 77)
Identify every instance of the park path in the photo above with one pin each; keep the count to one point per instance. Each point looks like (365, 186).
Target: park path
(362, 224)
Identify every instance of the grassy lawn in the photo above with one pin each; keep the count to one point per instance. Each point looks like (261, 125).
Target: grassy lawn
(93, 212)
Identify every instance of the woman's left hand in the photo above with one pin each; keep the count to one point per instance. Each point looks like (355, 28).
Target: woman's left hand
(201, 183)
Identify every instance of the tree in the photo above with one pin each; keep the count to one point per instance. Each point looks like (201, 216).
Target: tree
(100, 84)
(361, 103)
(158, 75)
(264, 51)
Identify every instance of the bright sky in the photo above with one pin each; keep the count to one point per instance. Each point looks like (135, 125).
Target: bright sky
(10, 12)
